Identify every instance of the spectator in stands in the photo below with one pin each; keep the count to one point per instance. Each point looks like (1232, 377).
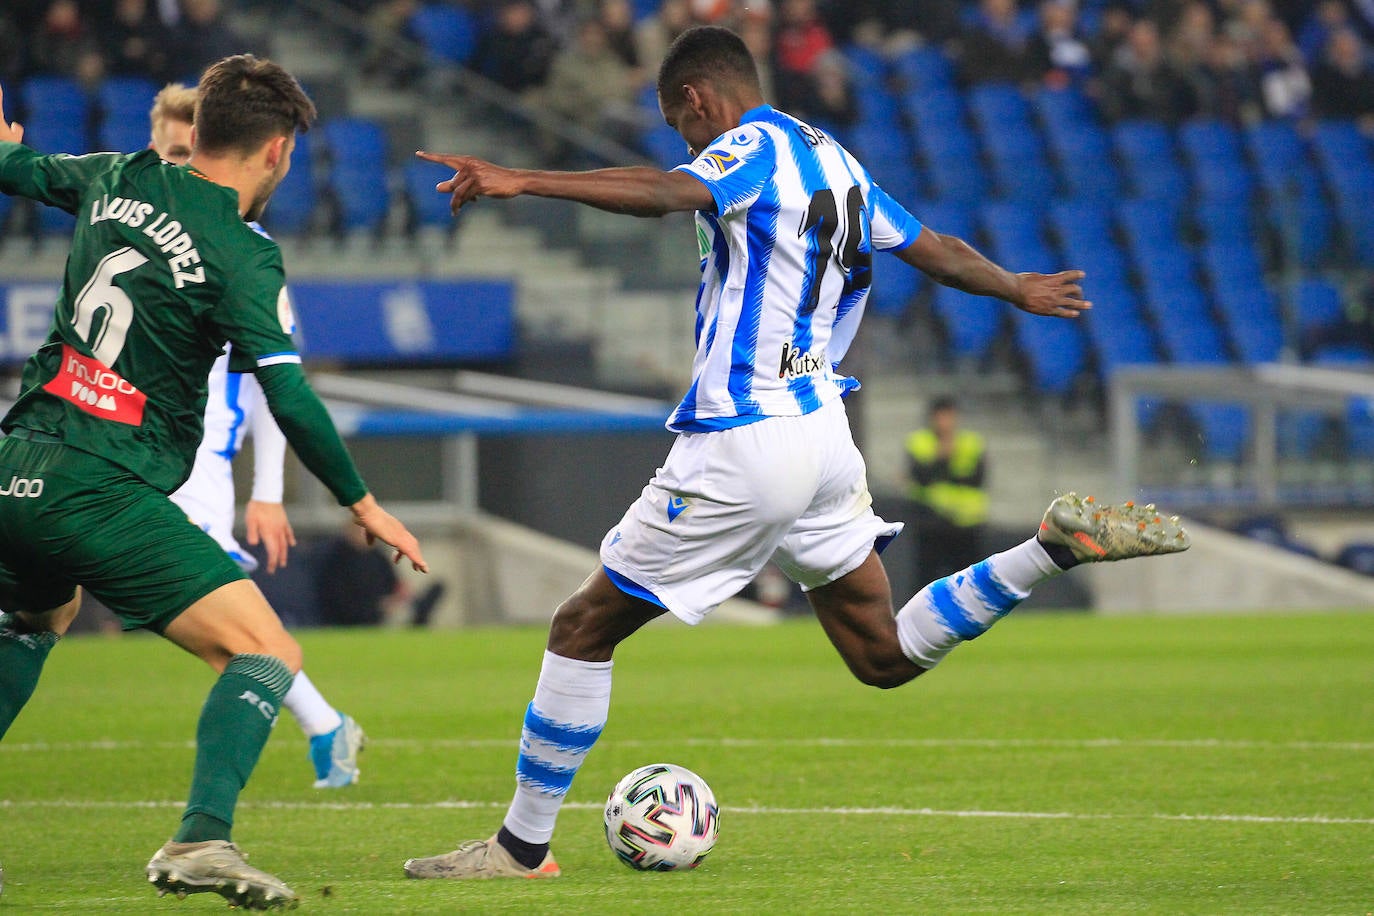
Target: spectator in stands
(385, 47)
(1343, 83)
(1191, 36)
(1113, 25)
(1329, 17)
(891, 26)
(800, 41)
(756, 30)
(517, 53)
(947, 468)
(1285, 87)
(996, 49)
(1225, 86)
(13, 41)
(357, 584)
(591, 84)
(64, 45)
(204, 36)
(617, 20)
(655, 33)
(1141, 83)
(136, 42)
(1058, 55)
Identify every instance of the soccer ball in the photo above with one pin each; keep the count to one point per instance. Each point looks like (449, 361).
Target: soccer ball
(661, 817)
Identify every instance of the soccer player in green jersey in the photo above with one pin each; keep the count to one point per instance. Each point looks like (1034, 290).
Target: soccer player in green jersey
(163, 272)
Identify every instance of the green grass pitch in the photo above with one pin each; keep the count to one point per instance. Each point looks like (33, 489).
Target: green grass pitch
(1062, 764)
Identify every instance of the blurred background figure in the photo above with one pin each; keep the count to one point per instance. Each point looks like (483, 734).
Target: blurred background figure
(947, 469)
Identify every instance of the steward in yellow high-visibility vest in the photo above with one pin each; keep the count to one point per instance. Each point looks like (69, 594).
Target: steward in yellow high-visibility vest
(947, 467)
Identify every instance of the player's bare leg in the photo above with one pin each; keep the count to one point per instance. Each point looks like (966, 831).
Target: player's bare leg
(562, 723)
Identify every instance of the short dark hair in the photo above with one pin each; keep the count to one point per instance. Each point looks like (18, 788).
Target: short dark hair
(708, 53)
(941, 403)
(245, 101)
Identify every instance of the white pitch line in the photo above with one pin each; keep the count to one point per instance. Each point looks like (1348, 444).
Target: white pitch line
(1224, 744)
(767, 810)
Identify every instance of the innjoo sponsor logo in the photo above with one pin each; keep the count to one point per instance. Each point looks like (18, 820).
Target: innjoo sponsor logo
(97, 389)
(22, 487)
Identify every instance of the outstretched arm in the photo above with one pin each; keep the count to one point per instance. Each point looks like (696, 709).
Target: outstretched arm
(635, 190)
(953, 262)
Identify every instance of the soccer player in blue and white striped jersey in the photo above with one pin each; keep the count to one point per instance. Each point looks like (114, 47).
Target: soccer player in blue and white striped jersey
(764, 467)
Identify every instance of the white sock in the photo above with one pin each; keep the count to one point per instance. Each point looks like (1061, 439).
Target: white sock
(961, 607)
(312, 711)
(562, 723)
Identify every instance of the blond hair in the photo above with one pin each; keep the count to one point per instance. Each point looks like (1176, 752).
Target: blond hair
(175, 102)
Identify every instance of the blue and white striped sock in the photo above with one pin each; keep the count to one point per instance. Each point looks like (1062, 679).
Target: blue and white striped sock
(562, 723)
(961, 607)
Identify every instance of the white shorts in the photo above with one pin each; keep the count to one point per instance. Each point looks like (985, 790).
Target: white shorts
(789, 489)
(207, 498)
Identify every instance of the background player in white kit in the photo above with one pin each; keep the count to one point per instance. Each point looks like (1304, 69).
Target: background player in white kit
(764, 466)
(235, 406)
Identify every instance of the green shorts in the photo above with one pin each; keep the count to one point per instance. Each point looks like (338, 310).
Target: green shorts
(69, 518)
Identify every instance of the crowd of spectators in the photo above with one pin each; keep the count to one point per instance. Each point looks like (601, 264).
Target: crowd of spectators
(88, 40)
(589, 60)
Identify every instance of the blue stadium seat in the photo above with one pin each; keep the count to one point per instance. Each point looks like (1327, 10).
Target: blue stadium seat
(934, 109)
(1186, 327)
(1320, 307)
(1054, 350)
(999, 108)
(1148, 225)
(1224, 222)
(866, 67)
(895, 285)
(1020, 166)
(446, 31)
(1147, 149)
(1085, 161)
(924, 68)
(1234, 264)
(1252, 318)
(356, 152)
(124, 102)
(1012, 226)
(55, 113)
(293, 203)
(950, 217)
(430, 207)
(1295, 203)
(1065, 110)
(354, 142)
(1223, 428)
(972, 323)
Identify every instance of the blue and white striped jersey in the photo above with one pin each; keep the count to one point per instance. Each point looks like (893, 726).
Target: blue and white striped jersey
(786, 262)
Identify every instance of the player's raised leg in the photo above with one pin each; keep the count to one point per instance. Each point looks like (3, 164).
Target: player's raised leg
(1074, 530)
(236, 632)
(570, 706)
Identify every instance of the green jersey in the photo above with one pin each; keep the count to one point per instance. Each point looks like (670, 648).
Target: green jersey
(162, 273)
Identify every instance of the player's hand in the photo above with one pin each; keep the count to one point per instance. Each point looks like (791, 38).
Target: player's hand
(14, 133)
(268, 525)
(381, 525)
(473, 178)
(1057, 295)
